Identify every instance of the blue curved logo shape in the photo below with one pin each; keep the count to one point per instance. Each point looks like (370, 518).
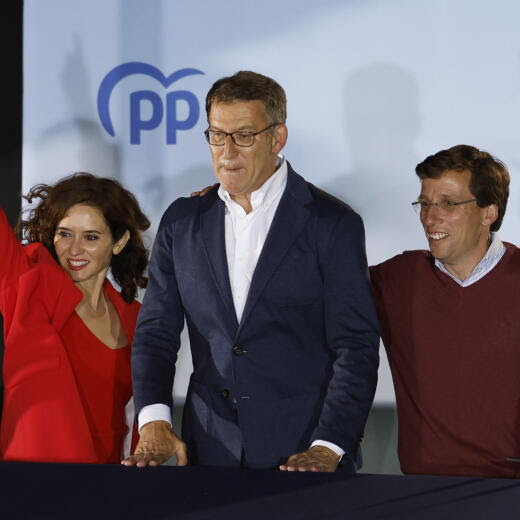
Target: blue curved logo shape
(129, 69)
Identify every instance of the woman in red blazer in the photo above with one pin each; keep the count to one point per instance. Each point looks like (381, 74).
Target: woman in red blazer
(67, 330)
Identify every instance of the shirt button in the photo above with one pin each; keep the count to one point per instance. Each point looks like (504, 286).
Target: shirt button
(238, 350)
(224, 393)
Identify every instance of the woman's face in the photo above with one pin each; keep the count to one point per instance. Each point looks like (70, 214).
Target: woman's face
(84, 245)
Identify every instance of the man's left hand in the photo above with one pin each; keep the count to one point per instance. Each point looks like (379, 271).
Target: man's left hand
(317, 458)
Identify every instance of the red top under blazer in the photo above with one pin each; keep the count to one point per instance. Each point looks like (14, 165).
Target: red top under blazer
(40, 392)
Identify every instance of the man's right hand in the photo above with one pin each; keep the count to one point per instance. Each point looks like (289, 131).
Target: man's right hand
(157, 443)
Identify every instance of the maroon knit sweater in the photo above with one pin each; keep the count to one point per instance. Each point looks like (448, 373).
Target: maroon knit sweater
(454, 353)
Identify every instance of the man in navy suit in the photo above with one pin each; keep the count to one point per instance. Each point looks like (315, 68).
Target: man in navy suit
(270, 274)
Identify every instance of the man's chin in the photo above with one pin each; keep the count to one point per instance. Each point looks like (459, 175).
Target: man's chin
(437, 251)
(438, 257)
(231, 187)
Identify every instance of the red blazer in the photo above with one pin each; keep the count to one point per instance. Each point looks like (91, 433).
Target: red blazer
(43, 417)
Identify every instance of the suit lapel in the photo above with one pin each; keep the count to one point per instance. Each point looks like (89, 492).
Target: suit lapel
(288, 222)
(214, 238)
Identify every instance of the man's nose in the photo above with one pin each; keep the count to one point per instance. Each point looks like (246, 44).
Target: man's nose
(431, 214)
(230, 148)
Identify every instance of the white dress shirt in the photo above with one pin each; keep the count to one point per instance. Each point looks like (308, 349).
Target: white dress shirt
(246, 232)
(245, 235)
(493, 255)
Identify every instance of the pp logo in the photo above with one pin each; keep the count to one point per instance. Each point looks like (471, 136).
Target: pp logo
(137, 122)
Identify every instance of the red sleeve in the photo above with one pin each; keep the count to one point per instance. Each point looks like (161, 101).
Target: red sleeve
(13, 261)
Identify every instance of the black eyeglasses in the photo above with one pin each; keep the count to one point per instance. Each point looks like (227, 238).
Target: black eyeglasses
(218, 137)
(445, 206)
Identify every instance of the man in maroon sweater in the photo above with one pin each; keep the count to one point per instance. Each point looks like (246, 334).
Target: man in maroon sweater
(450, 322)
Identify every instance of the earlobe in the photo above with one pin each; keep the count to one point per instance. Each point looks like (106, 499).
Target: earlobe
(280, 135)
(490, 215)
(121, 243)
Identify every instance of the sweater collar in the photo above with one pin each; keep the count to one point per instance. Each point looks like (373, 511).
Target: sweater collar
(493, 255)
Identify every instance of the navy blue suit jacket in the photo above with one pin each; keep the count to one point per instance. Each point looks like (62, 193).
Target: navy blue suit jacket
(301, 364)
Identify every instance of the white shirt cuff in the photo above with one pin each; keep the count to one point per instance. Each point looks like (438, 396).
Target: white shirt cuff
(154, 412)
(336, 449)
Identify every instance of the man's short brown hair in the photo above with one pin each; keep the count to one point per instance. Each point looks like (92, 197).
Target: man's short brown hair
(489, 182)
(250, 86)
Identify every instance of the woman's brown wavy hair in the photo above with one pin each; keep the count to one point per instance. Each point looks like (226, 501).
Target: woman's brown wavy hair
(119, 207)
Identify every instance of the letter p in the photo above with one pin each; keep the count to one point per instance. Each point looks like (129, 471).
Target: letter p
(136, 123)
(172, 123)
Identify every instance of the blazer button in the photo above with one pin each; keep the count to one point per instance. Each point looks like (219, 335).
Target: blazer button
(224, 393)
(238, 350)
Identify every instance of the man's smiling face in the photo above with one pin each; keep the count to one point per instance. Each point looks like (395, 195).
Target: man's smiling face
(459, 237)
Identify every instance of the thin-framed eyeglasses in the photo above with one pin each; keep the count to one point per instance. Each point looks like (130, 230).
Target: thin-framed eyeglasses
(218, 137)
(446, 206)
